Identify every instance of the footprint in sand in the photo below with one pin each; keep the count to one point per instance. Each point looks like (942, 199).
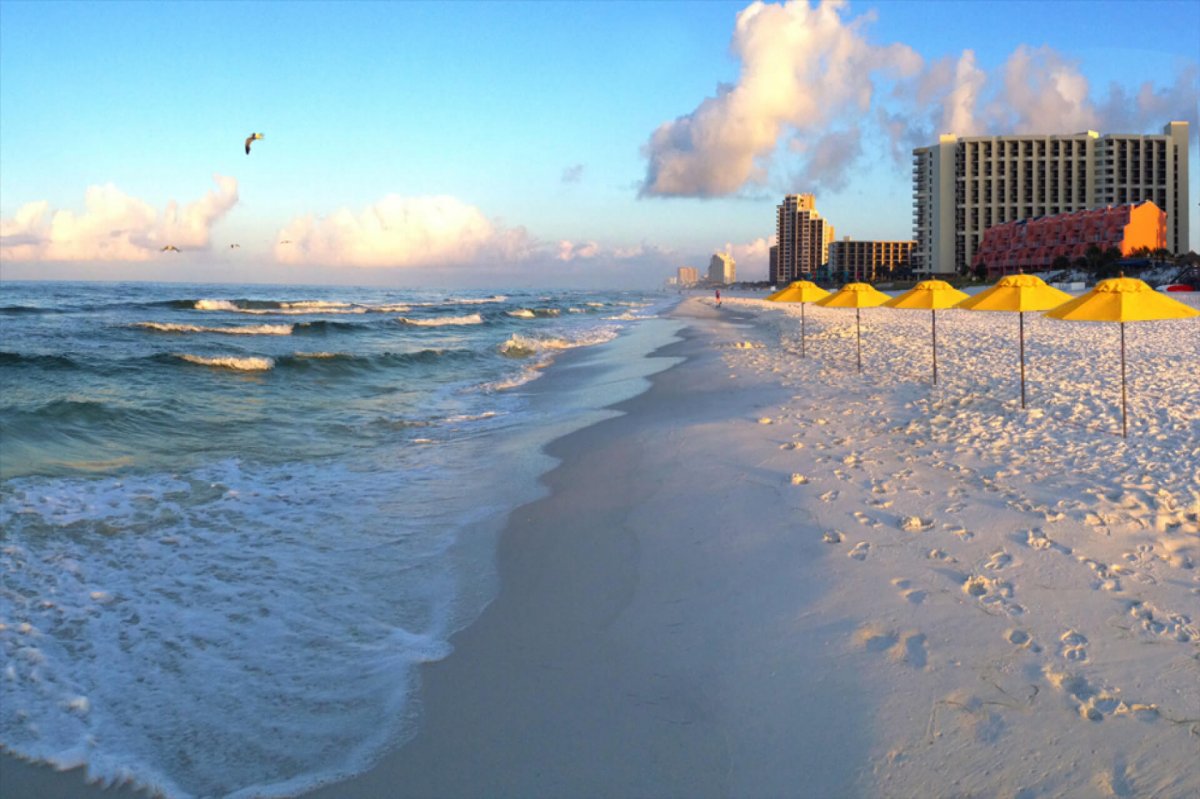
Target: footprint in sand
(833, 537)
(1176, 626)
(860, 550)
(1073, 645)
(963, 533)
(829, 496)
(865, 520)
(915, 524)
(1020, 638)
(914, 595)
(941, 554)
(1106, 576)
(998, 561)
(1096, 704)
(907, 647)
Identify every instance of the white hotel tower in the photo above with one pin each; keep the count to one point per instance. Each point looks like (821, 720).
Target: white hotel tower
(961, 187)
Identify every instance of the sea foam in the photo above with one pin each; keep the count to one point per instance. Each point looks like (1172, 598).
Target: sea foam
(244, 330)
(440, 321)
(244, 364)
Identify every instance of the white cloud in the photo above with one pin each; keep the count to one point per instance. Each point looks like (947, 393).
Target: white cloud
(113, 226)
(806, 102)
(801, 68)
(569, 251)
(752, 258)
(403, 232)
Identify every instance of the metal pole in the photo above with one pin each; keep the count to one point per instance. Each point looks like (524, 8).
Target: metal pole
(1021, 314)
(801, 328)
(933, 313)
(1124, 422)
(858, 339)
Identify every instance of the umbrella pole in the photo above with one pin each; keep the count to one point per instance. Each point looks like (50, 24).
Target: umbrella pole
(1021, 314)
(934, 315)
(1124, 422)
(801, 329)
(858, 338)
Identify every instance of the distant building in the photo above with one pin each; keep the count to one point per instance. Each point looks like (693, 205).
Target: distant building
(1034, 244)
(688, 276)
(867, 261)
(963, 187)
(803, 240)
(722, 269)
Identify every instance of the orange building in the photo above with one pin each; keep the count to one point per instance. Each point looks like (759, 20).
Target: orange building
(1032, 245)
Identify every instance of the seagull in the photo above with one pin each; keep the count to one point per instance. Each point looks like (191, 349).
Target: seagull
(250, 139)
(231, 246)
(169, 247)
(286, 241)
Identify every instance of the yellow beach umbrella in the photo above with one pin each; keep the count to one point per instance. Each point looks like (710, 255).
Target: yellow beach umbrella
(1018, 293)
(932, 296)
(801, 291)
(1122, 299)
(856, 296)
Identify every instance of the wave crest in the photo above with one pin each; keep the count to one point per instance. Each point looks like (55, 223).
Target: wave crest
(242, 364)
(440, 321)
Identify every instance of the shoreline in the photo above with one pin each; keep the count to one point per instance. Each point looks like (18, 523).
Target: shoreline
(772, 576)
(609, 664)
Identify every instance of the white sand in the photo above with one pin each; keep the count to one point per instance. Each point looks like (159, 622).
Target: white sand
(776, 577)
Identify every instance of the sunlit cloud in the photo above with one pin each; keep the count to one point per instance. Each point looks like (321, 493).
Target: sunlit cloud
(812, 88)
(803, 67)
(113, 226)
(403, 232)
(570, 251)
(752, 258)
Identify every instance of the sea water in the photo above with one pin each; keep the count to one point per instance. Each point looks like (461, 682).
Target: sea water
(237, 518)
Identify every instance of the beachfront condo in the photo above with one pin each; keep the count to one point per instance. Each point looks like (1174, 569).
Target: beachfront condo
(963, 186)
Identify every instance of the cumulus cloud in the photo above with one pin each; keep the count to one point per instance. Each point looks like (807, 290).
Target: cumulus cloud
(802, 67)
(113, 226)
(808, 98)
(752, 258)
(403, 232)
(570, 251)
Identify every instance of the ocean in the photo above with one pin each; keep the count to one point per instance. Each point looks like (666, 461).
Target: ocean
(236, 519)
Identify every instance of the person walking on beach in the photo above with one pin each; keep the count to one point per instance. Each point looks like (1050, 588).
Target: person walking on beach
(718, 298)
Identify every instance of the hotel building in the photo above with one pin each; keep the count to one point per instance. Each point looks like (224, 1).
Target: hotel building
(722, 269)
(688, 276)
(1033, 244)
(802, 237)
(867, 261)
(962, 187)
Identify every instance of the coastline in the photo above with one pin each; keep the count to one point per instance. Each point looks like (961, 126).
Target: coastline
(628, 652)
(771, 576)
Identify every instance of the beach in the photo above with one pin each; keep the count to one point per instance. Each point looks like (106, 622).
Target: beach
(770, 575)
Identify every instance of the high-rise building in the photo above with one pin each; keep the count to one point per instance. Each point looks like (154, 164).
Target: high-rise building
(722, 269)
(803, 239)
(688, 276)
(867, 261)
(962, 187)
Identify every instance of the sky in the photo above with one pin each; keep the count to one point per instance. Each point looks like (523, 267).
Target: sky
(525, 144)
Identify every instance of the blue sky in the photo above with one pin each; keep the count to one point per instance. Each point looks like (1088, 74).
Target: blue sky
(479, 143)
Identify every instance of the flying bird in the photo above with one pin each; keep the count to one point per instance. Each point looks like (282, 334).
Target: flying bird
(231, 246)
(250, 139)
(170, 248)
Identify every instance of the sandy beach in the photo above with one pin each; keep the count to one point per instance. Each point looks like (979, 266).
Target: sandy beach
(773, 576)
